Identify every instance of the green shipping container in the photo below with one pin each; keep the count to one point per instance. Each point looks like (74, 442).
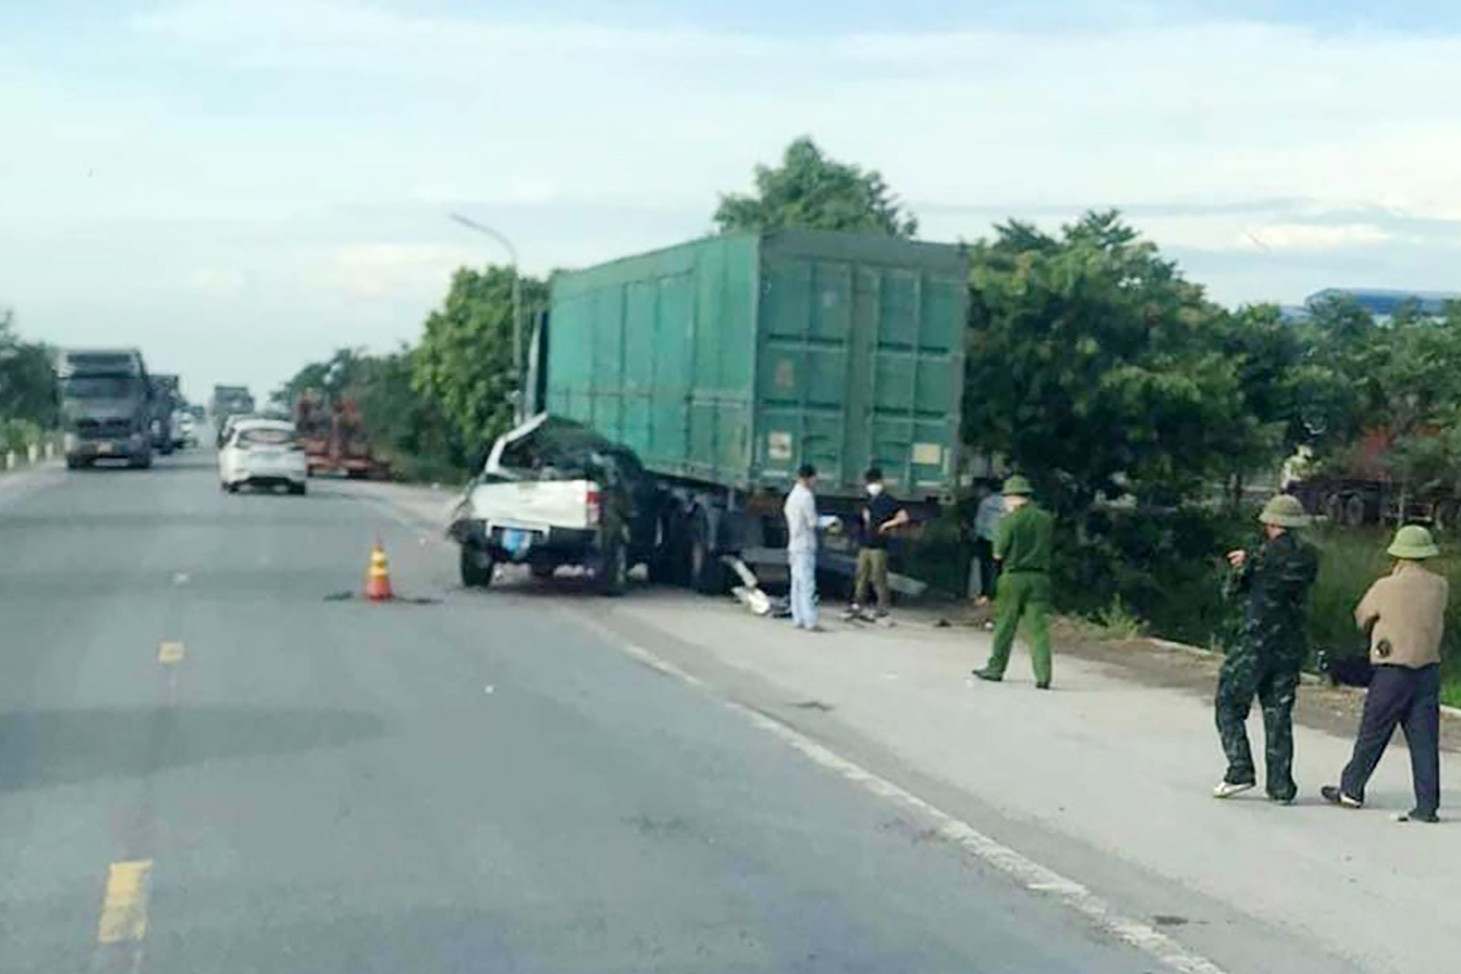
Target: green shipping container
(734, 359)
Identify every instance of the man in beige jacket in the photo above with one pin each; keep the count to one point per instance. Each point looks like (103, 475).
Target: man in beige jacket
(1406, 614)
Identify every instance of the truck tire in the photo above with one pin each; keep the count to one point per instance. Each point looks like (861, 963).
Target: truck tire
(542, 570)
(475, 566)
(76, 463)
(613, 576)
(707, 574)
(299, 490)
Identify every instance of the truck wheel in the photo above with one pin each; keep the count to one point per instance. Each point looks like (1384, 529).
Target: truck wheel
(542, 570)
(475, 566)
(614, 570)
(707, 574)
(75, 463)
(299, 490)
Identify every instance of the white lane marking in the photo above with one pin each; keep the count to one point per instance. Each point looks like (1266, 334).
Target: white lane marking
(1024, 871)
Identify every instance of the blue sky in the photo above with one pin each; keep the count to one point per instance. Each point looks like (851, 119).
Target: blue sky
(240, 186)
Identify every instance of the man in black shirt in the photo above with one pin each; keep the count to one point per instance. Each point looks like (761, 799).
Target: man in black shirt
(879, 517)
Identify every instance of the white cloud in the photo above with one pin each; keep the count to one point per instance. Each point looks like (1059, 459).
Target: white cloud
(317, 146)
(1311, 236)
(218, 282)
(378, 270)
(1131, 115)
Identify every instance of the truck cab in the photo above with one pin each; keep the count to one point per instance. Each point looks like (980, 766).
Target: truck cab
(106, 407)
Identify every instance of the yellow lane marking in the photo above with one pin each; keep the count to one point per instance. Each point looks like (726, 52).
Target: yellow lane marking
(124, 907)
(170, 653)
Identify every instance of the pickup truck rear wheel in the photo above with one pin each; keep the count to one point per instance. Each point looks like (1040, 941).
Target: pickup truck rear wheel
(476, 566)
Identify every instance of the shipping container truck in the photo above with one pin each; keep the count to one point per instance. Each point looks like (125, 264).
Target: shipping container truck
(725, 363)
(229, 401)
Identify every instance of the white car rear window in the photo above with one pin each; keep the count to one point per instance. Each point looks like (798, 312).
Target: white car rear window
(265, 437)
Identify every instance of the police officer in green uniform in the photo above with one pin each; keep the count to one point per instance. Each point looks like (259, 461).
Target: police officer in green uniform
(1274, 584)
(1022, 548)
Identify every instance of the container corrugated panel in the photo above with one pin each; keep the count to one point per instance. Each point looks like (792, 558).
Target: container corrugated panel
(734, 359)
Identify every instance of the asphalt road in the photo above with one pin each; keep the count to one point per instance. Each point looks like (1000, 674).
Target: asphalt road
(207, 765)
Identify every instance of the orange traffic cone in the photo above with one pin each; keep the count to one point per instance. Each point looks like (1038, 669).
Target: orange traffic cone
(378, 578)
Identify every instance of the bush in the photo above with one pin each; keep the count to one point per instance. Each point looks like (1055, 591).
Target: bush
(18, 435)
(1165, 568)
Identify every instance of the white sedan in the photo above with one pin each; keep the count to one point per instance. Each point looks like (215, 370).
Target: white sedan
(263, 453)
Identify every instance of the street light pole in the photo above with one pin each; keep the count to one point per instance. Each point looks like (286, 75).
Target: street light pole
(517, 308)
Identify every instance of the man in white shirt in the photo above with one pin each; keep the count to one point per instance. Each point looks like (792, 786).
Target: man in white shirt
(986, 527)
(801, 548)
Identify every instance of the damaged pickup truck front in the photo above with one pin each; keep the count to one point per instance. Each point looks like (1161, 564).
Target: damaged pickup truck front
(555, 493)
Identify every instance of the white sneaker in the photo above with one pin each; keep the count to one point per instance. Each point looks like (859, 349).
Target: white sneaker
(1227, 789)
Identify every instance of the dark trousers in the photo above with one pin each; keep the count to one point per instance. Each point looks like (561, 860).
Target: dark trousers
(988, 567)
(1410, 698)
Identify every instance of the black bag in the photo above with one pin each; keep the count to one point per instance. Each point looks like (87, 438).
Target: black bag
(1346, 670)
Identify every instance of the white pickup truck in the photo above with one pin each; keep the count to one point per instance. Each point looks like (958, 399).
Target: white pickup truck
(554, 493)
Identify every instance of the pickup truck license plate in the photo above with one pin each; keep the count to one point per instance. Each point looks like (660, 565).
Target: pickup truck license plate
(515, 541)
(103, 448)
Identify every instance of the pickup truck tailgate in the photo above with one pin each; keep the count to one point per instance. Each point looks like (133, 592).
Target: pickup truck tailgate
(537, 504)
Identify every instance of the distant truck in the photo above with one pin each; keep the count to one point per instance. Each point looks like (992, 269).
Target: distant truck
(335, 439)
(166, 398)
(106, 406)
(1361, 490)
(229, 401)
(722, 365)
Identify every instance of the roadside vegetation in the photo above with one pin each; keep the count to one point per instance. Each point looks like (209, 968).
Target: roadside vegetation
(28, 409)
(1140, 408)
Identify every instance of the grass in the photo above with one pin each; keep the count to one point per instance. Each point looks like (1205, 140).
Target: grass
(1117, 621)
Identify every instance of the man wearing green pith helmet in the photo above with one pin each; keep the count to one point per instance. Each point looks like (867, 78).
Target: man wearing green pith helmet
(1022, 547)
(1274, 584)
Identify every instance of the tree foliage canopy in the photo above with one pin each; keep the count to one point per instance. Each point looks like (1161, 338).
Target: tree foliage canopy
(27, 378)
(464, 363)
(811, 190)
(1096, 368)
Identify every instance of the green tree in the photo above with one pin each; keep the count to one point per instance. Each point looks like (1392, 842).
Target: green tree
(1097, 369)
(27, 378)
(404, 427)
(464, 364)
(811, 190)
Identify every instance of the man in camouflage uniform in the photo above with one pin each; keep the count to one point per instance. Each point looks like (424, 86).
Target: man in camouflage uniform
(1274, 583)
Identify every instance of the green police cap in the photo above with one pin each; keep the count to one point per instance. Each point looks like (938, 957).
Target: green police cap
(1285, 511)
(1414, 543)
(1017, 486)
